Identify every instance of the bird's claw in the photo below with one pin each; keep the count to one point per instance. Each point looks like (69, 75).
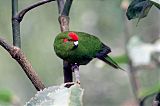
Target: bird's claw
(78, 82)
(68, 84)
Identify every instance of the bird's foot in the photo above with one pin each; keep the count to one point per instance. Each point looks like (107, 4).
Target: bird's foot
(69, 84)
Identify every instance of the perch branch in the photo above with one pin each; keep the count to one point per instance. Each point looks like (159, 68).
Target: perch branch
(64, 9)
(64, 23)
(60, 4)
(19, 56)
(19, 16)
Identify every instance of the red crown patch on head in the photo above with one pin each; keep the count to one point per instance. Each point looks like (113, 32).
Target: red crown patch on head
(73, 35)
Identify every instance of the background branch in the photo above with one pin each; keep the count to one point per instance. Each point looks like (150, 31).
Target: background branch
(19, 16)
(14, 51)
(15, 25)
(132, 70)
(19, 56)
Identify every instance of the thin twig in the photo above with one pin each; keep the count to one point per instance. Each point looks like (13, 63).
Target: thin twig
(66, 8)
(60, 4)
(19, 16)
(19, 56)
(15, 25)
(14, 51)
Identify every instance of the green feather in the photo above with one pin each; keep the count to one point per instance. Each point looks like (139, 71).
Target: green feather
(112, 62)
(88, 46)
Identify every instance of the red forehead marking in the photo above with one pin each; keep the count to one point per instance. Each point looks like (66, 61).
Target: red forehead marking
(73, 35)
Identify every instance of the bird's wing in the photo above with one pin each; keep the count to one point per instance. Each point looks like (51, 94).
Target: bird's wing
(104, 51)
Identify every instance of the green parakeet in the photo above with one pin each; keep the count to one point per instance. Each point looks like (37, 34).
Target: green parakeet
(80, 48)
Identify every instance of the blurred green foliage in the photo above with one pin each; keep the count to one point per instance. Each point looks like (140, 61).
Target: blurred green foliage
(104, 18)
(5, 96)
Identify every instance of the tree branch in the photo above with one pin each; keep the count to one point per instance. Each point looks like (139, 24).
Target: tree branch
(64, 10)
(15, 25)
(64, 23)
(19, 16)
(60, 4)
(14, 51)
(20, 57)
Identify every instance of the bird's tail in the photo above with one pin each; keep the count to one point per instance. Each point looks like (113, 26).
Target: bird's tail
(111, 62)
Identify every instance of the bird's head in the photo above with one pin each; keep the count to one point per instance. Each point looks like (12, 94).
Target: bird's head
(72, 37)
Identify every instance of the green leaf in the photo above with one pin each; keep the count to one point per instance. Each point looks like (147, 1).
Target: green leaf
(156, 3)
(58, 96)
(138, 9)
